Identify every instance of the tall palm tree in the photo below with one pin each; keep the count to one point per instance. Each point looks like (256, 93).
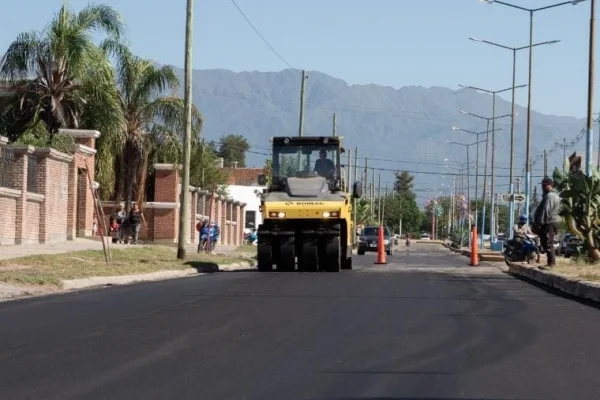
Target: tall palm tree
(59, 73)
(152, 118)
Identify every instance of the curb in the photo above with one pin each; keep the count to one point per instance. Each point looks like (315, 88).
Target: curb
(574, 287)
(485, 256)
(118, 280)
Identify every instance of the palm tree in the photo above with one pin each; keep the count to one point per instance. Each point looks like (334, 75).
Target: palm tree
(57, 74)
(153, 120)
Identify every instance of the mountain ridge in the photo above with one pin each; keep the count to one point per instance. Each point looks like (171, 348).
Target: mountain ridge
(411, 123)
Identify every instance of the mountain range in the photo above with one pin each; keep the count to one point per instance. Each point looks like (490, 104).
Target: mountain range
(409, 126)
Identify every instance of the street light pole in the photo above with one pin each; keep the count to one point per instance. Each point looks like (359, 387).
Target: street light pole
(492, 187)
(467, 145)
(590, 99)
(514, 51)
(184, 206)
(528, 163)
(487, 119)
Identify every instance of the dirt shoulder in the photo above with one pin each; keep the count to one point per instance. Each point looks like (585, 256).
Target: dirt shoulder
(52, 270)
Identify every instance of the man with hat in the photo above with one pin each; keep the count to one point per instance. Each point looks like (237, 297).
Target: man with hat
(545, 220)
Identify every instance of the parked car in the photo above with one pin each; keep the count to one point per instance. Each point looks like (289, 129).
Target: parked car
(425, 236)
(369, 240)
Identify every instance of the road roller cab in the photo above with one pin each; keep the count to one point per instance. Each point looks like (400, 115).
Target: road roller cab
(306, 209)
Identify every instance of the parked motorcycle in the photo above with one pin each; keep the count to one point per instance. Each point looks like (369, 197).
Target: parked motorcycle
(525, 250)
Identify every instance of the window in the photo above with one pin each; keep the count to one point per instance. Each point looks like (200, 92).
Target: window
(250, 220)
(290, 161)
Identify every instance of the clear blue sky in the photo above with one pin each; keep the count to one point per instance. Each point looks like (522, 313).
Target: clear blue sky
(387, 42)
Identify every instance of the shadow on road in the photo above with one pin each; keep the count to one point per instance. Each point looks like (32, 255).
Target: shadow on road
(211, 267)
(421, 398)
(555, 292)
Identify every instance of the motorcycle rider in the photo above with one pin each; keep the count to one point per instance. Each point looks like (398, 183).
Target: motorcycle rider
(522, 229)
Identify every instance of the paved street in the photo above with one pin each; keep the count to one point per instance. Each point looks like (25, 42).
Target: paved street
(425, 326)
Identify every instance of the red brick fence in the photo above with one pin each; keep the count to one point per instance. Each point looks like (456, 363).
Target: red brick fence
(45, 197)
(162, 214)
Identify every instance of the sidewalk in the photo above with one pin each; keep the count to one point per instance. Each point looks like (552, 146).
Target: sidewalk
(79, 244)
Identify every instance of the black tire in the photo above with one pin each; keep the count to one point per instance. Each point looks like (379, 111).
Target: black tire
(264, 256)
(333, 255)
(361, 252)
(287, 257)
(308, 259)
(347, 263)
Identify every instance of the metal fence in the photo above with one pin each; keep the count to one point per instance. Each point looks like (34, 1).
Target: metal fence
(7, 162)
(32, 166)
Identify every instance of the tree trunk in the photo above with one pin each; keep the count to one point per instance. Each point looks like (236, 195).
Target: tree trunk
(121, 174)
(593, 251)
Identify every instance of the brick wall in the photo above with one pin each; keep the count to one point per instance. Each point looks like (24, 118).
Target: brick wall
(49, 199)
(162, 215)
(40, 201)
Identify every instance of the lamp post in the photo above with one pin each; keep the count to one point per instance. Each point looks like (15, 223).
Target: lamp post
(476, 165)
(458, 186)
(487, 119)
(512, 120)
(492, 188)
(532, 11)
(468, 145)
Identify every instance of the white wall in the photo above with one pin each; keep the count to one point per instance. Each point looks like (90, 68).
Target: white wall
(246, 194)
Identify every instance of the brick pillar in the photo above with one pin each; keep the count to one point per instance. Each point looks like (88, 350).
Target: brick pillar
(52, 183)
(224, 221)
(80, 201)
(21, 154)
(237, 236)
(193, 208)
(243, 219)
(166, 217)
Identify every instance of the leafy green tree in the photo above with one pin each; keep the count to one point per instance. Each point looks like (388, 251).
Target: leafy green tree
(404, 183)
(154, 121)
(204, 172)
(268, 171)
(59, 74)
(233, 149)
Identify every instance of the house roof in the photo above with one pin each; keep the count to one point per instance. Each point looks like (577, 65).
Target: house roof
(243, 176)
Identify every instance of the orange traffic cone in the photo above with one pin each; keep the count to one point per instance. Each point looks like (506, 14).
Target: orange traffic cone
(474, 256)
(381, 247)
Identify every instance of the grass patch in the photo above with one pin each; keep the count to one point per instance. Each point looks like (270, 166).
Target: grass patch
(246, 248)
(578, 268)
(52, 269)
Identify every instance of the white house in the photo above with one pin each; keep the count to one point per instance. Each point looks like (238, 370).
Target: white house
(247, 194)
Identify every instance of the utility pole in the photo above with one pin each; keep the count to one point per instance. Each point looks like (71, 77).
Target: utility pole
(545, 163)
(184, 206)
(378, 196)
(334, 126)
(354, 216)
(366, 173)
(373, 180)
(383, 205)
(400, 228)
(348, 175)
(302, 92)
(519, 191)
(590, 111)
(565, 154)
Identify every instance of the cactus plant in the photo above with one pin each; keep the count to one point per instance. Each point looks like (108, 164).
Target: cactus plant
(580, 206)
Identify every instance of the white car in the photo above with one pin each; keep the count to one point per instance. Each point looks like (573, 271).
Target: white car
(425, 236)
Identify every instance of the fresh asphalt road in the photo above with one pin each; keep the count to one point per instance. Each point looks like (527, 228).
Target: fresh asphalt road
(424, 326)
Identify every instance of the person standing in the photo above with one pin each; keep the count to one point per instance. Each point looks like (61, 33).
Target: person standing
(545, 220)
(121, 218)
(136, 218)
